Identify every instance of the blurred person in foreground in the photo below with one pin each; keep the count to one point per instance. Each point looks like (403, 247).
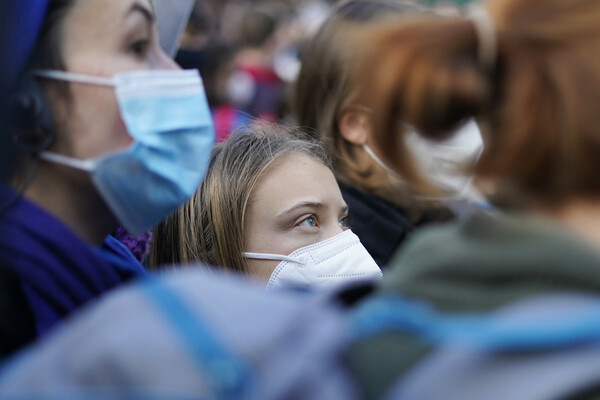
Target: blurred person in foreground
(108, 132)
(16, 328)
(384, 210)
(528, 71)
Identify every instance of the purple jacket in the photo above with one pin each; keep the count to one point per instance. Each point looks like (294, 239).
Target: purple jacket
(58, 271)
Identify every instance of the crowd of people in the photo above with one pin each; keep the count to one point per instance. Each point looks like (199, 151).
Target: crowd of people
(379, 199)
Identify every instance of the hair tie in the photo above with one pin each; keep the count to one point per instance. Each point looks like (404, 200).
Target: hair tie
(485, 30)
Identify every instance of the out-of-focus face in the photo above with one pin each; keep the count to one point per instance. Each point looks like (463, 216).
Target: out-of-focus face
(103, 38)
(295, 203)
(355, 125)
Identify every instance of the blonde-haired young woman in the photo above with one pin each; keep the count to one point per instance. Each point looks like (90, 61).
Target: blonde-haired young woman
(269, 208)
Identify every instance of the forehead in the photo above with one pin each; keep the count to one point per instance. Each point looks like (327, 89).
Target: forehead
(294, 164)
(293, 176)
(90, 14)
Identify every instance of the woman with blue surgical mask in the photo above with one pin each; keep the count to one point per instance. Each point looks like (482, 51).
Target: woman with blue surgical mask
(109, 132)
(271, 210)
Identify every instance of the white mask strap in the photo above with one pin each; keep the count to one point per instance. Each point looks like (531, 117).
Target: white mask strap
(72, 77)
(377, 160)
(275, 257)
(83, 165)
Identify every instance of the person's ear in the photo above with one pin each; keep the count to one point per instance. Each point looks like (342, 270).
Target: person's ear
(354, 125)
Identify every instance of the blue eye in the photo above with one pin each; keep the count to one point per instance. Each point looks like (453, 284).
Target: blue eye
(309, 221)
(344, 222)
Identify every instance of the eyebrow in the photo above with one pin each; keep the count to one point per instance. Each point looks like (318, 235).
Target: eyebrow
(137, 7)
(307, 204)
(304, 204)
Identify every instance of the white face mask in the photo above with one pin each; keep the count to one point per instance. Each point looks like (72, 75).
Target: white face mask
(442, 162)
(330, 262)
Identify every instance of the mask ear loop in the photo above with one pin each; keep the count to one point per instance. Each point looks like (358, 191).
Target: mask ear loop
(73, 77)
(271, 257)
(378, 161)
(82, 165)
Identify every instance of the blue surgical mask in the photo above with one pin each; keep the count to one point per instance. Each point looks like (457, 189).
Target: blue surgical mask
(167, 115)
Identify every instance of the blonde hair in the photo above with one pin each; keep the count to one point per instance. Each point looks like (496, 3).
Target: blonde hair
(538, 101)
(209, 228)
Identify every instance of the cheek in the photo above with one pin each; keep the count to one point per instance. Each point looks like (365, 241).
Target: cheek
(96, 125)
(118, 131)
(261, 270)
(263, 236)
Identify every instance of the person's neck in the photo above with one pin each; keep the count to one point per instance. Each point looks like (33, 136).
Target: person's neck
(70, 196)
(582, 217)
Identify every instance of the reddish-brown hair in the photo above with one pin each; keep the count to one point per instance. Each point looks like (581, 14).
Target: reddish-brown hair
(538, 104)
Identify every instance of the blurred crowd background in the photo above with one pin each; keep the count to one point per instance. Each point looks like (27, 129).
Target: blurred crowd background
(249, 51)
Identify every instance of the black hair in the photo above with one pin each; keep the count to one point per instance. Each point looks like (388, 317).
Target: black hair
(30, 126)
(30, 115)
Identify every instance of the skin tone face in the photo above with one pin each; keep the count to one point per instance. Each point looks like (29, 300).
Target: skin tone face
(99, 38)
(104, 38)
(295, 203)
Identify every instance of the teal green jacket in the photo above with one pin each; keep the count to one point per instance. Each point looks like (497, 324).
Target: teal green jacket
(477, 264)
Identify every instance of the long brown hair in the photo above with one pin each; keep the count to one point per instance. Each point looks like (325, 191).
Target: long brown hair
(324, 85)
(209, 228)
(538, 101)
